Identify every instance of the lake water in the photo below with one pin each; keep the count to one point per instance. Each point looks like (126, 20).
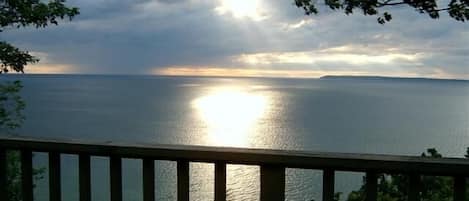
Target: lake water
(360, 116)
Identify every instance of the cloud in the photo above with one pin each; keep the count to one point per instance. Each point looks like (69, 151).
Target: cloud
(348, 58)
(138, 36)
(242, 9)
(256, 72)
(51, 69)
(46, 66)
(299, 24)
(314, 57)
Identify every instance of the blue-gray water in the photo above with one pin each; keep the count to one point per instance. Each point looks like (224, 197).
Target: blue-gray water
(365, 116)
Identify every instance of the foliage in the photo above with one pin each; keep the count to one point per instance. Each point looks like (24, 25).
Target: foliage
(17, 14)
(457, 9)
(394, 187)
(14, 176)
(11, 105)
(13, 58)
(22, 13)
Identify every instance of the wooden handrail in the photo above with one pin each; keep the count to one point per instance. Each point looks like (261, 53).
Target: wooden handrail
(289, 159)
(272, 167)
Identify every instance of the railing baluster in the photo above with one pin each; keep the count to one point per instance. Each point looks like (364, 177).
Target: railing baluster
(84, 177)
(54, 177)
(220, 181)
(183, 180)
(272, 177)
(272, 183)
(459, 188)
(3, 172)
(27, 174)
(371, 186)
(414, 187)
(148, 179)
(328, 178)
(116, 178)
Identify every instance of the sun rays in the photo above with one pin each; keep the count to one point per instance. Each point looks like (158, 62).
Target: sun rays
(241, 9)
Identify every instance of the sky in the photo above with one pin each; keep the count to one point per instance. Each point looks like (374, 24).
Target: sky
(265, 38)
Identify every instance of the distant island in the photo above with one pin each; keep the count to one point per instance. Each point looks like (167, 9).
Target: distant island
(365, 77)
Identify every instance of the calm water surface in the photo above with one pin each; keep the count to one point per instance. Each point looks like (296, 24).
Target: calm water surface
(365, 116)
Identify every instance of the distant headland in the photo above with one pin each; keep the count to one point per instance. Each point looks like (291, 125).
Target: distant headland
(365, 77)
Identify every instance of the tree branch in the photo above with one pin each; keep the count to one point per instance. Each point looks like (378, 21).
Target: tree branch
(442, 9)
(386, 3)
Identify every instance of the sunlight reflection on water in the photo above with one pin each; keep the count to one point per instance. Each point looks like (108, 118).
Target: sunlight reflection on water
(231, 114)
(294, 114)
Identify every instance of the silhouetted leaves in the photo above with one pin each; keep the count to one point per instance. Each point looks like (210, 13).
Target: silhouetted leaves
(14, 176)
(21, 13)
(457, 9)
(394, 187)
(12, 58)
(11, 105)
(16, 14)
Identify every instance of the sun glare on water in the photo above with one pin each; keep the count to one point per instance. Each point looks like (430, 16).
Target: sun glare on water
(230, 114)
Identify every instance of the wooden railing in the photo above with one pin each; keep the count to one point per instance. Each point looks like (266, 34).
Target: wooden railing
(272, 167)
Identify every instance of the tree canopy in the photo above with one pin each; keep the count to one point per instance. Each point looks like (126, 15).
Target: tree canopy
(17, 14)
(23, 13)
(457, 9)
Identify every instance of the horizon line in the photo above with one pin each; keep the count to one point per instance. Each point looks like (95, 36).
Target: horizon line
(344, 76)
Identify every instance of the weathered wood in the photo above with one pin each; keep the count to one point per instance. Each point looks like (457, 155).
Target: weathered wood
(272, 183)
(116, 178)
(183, 181)
(371, 188)
(290, 159)
(220, 181)
(3, 172)
(460, 188)
(414, 187)
(84, 177)
(328, 177)
(27, 175)
(54, 177)
(148, 179)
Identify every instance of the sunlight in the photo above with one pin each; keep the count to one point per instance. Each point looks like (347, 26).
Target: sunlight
(240, 9)
(313, 57)
(230, 114)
